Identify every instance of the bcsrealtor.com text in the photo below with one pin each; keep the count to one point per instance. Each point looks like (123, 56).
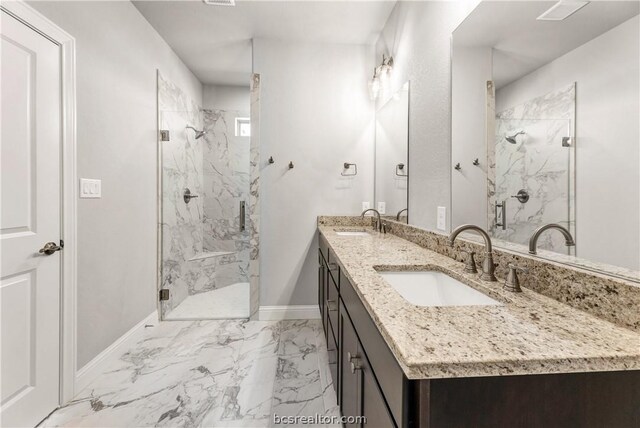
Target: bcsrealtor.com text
(318, 419)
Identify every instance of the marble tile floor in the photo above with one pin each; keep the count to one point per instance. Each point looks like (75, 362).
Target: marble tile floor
(215, 373)
(228, 302)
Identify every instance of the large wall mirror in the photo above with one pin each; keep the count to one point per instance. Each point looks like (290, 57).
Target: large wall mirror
(391, 164)
(545, 129)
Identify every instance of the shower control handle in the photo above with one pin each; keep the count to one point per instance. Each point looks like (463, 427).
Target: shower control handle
(187, 196)
(522, 196)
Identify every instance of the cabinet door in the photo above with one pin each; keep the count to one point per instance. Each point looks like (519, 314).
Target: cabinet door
(374, 407)
(332, 304)
(333, 356)
(350, 379)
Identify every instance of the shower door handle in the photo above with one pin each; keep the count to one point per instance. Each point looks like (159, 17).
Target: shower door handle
(503, 217)
(242, 216)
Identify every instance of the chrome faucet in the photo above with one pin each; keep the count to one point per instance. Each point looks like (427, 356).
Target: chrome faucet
(400, 212)
(378, 225)
(488, 268)
(533, 242)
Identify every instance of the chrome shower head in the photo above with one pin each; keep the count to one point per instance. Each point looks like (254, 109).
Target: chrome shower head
(199, 134)
(512, 139)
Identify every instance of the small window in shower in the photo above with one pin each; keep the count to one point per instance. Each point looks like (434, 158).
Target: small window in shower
(243, 127)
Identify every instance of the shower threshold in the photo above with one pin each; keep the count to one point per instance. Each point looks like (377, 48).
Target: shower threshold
(230, 302)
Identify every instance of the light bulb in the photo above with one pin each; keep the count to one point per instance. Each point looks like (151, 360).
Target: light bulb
(374, 88)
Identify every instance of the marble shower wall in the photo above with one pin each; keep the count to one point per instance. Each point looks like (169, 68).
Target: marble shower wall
(537, 163)
(254, 198)
(225, 164)
(202, 247)
(181, 223)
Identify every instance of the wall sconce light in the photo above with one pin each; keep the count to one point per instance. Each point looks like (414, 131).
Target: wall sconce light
(380, 77)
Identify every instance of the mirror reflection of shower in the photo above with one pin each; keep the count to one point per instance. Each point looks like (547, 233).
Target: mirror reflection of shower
(513, 139)
(199, 134)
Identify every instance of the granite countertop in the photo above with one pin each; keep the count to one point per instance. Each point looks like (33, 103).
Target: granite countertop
(528, 334)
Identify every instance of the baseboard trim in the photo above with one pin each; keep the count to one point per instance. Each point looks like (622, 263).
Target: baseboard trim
(90, 371)
(291, 312)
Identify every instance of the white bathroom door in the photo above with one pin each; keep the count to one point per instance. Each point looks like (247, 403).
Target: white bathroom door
(30, 215)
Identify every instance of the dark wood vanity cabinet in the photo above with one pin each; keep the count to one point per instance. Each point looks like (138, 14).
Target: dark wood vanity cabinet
(360, 395)
(354, 377)
(328, 304)
(369, 381)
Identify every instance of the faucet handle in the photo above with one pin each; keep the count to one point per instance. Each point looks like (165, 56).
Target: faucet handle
(470, 264)
(512, 282)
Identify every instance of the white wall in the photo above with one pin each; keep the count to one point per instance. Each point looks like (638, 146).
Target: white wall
(314, 111)
(222, 97)
(418, 35)
(471, 71)
(392, 137)
(118, 53)
(607, 71)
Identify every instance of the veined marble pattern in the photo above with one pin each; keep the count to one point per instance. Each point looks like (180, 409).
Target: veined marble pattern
(222, 170)
(539, 164)
(209, 373)
(490, 139)
(254, 197)
(181, 169)
(225, 161)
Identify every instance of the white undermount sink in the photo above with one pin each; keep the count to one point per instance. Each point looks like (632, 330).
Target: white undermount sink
(432, 288)
(351, 233)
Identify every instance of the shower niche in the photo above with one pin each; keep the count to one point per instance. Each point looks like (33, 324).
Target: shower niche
(205, 243)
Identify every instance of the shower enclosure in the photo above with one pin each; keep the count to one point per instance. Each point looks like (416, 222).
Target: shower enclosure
(205, 238)
(533, 169)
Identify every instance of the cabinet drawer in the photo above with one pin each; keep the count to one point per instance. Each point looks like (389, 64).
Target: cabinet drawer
(388, 373)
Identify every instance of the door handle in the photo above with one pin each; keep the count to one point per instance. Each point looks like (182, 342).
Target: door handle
(242, 215)
(50, 248)
(503, 217)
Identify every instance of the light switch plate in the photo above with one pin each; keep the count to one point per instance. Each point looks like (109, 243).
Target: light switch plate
(442, 218)
(382, 207)
(366, 206)
(90, 188)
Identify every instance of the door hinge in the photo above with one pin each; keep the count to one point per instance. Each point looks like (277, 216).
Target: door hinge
(164, 294)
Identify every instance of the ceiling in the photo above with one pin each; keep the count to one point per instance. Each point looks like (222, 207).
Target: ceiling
(215, 41)
(522, 44)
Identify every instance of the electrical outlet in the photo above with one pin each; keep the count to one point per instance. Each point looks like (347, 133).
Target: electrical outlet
(382, 207)
(442, 218)
(90, 188)
(366, 206)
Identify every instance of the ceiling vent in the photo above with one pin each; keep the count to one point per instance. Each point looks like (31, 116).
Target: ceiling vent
(220, 2)
(562, 10)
